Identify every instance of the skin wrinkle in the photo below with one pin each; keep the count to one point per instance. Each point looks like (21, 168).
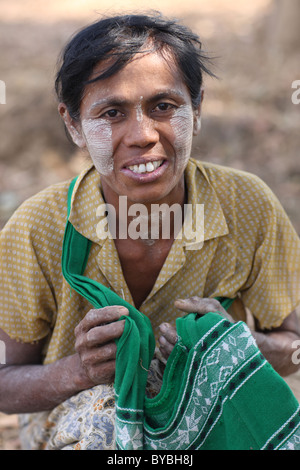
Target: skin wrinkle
(148, 226)
(143, 123)
(98, 136)
(158, 223)
(148, 132)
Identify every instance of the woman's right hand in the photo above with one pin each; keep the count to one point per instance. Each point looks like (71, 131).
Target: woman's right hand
(95, 344)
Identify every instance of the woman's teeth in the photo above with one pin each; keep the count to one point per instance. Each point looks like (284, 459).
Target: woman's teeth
(145, 168)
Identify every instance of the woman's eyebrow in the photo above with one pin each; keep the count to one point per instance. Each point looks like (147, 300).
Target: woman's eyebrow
(167, 94)
(109, 101)
(118, 101)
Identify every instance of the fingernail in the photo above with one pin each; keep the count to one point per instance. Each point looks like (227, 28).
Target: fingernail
(123, 310)
(163, 327)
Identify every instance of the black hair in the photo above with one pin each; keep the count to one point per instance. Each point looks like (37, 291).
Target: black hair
(120, 38)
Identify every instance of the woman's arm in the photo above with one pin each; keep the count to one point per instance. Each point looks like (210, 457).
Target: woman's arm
(27, 386)
(277, 345)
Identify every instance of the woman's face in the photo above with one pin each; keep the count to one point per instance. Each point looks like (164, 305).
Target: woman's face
(138, 126)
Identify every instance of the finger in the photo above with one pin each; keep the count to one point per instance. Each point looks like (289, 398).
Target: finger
(100, 316)
(202, 306)
(169, 332)
(198, 305)
(165, 347)
(96, 356)
(100, 335)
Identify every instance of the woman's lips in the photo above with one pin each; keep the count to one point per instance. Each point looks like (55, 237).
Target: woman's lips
(145, 166)
(146, 171)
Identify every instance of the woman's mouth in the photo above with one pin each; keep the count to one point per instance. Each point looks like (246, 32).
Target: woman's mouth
(148, 167)
(146, 172)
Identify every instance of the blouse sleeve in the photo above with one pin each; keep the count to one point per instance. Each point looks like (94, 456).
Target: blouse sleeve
(27, 302)
(272, 290)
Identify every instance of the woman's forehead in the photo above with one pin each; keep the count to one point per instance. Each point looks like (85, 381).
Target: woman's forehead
(163, 59)
(147, 74)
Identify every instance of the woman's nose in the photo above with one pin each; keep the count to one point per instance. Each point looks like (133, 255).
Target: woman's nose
(140, 130)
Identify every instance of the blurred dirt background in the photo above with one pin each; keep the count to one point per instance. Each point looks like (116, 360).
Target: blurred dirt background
(249, 120)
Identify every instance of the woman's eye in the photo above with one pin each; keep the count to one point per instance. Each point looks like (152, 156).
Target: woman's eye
(112, 113)
(164, 107)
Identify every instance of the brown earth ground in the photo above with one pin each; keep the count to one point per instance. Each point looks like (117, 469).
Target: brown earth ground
(249, 120)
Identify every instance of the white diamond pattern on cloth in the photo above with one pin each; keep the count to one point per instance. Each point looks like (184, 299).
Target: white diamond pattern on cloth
(220, 361)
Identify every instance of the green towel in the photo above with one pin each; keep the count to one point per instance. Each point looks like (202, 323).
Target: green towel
(218, 390)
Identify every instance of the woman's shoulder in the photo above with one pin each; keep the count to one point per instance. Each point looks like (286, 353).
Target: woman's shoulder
(45, 210)
(229, 181)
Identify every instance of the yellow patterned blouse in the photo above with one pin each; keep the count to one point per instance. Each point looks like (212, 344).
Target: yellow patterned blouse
(250, 248)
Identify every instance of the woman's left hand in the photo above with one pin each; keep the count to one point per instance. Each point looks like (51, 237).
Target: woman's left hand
(168, 337)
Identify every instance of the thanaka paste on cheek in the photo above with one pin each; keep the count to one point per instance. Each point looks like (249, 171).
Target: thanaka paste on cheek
(182, 125)
(98, 137)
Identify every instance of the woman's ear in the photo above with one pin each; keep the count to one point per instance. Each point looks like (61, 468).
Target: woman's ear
(197, 116)
(73, 126)
(197, 124)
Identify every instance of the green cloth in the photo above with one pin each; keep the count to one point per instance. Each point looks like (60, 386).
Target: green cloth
(218, 390)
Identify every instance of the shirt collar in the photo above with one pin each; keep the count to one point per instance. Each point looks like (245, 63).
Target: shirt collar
(208, 219)
(86, 199)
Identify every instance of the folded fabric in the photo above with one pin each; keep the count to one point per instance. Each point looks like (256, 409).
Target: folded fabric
(218, 390)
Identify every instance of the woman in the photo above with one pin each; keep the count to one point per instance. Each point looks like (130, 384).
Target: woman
(130, 90)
